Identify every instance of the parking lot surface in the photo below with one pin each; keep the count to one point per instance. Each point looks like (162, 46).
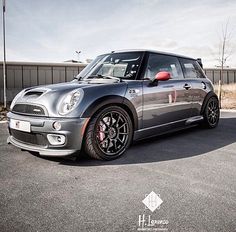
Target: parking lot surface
(192, 171)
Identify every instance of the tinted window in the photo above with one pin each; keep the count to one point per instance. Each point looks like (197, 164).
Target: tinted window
(158, 63)
(191, 69)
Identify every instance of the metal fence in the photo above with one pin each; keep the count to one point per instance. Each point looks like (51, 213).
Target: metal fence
(25, 74)
(21, 75)
(229, 75)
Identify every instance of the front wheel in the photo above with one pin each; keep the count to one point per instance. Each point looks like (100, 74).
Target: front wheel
(109, 133)
(211, 113)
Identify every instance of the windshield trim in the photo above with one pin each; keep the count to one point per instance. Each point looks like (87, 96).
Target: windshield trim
(89, 69)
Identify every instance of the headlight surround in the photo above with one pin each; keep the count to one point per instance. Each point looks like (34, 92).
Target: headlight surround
(70, 101)
(16, 98)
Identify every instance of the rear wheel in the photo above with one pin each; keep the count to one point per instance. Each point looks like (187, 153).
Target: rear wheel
(109, 133)
(211, 113)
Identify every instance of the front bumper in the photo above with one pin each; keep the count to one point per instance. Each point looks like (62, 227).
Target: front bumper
(37, 141)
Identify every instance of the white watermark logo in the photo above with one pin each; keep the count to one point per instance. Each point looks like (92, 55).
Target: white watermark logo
(152, 201)
(146, 223)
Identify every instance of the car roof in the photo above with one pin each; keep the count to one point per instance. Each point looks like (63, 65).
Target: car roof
(151, 51)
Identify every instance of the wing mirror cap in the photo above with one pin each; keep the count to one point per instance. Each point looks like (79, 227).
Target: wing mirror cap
(162, 76)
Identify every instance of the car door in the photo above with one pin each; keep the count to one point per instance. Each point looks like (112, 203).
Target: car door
(198, 83)
(165, 102)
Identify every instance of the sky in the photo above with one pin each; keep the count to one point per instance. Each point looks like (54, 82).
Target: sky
(52, 30)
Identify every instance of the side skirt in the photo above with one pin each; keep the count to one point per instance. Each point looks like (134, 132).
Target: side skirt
(167, 128)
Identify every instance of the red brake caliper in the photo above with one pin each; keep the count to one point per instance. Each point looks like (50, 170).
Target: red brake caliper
(101, 134)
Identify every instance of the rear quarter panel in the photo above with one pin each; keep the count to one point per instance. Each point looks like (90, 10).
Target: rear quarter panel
(199, 93)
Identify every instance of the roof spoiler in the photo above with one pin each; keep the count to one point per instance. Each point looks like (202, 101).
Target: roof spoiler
(199, 60)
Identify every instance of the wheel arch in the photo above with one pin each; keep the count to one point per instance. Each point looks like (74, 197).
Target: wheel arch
(106, 101)
(207, 97)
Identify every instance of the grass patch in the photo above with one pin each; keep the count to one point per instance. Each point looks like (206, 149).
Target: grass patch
(228, 96)
(3, 112)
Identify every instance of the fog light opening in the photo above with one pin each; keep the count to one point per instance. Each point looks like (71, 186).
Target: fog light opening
(56, 139)
(56, 125)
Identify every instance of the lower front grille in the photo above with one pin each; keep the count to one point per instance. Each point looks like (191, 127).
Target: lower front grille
(29, 109)
(30, 138)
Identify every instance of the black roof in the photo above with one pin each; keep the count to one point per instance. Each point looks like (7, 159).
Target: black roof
(153, 51)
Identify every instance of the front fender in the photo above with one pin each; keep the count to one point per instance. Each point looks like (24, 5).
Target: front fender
(111, 100)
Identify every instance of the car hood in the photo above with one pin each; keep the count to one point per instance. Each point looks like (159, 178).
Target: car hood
(44, 93)
(50, 96)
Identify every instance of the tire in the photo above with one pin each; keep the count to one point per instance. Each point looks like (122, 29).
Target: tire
(211, 113)
(108, 134)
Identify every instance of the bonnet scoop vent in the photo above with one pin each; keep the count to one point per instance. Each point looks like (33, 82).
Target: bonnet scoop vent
(34, 93)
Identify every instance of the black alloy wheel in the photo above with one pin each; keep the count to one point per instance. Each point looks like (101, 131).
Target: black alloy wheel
(212, 113)
(109, 133)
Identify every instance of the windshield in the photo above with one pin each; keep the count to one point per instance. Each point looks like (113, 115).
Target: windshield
(120, 65)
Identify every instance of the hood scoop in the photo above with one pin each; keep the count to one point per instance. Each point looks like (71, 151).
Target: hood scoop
(34, 93)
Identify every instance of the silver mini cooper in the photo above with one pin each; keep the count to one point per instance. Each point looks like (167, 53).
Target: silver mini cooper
(119, 97)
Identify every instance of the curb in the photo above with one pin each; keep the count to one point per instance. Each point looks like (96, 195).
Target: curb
(228, 110)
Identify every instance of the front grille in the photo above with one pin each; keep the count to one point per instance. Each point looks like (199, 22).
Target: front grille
(29, 109)
(30, 138)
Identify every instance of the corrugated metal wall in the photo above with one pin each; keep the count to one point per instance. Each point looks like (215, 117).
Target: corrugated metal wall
(25, 74)
(229, 75)
(22, 75)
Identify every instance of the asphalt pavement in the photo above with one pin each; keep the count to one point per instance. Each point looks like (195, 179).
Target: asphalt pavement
(193, 172)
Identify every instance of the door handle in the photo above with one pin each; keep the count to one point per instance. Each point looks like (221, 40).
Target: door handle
(187, 86)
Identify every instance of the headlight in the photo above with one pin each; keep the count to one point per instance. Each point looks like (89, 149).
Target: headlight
(70, 101)
(15, 99)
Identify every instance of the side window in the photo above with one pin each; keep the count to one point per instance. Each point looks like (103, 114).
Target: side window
(191, 69)
(158, 63)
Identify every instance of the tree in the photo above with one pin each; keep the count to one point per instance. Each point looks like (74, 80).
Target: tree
(225, 51)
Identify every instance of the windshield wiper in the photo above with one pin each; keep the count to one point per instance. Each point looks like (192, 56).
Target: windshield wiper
(78, 78)
(108, 77)
(98, 76)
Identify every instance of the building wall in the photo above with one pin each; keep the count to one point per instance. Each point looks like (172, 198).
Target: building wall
(25, 74)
